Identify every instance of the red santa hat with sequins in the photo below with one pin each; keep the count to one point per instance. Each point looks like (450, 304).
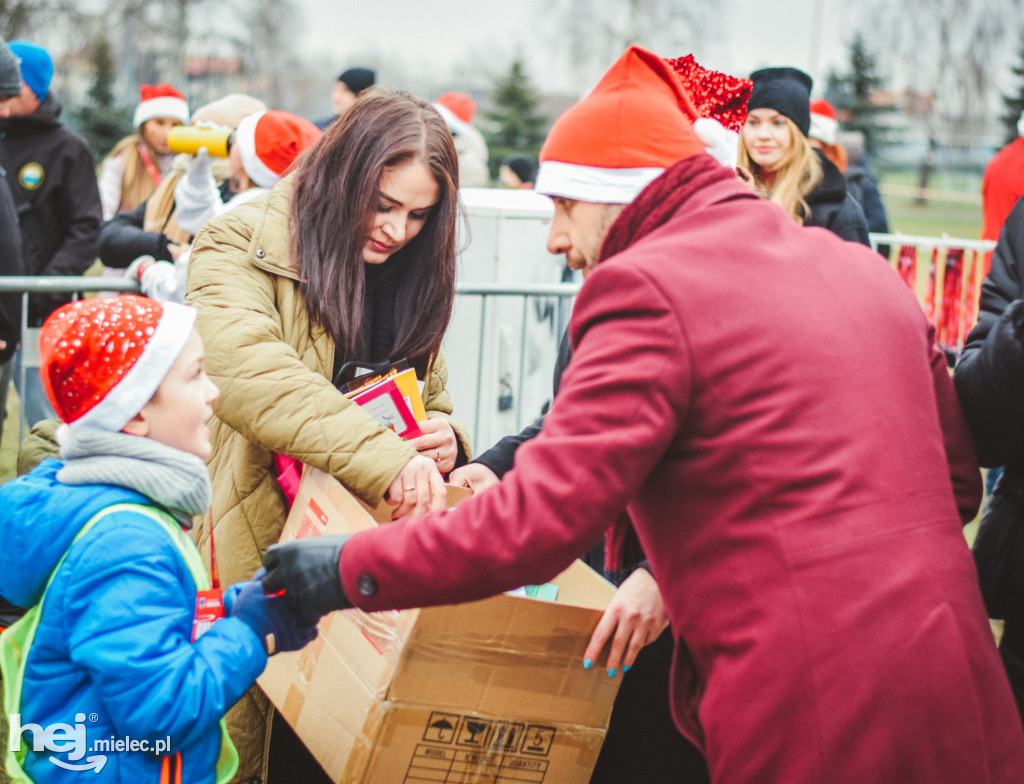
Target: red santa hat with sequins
(160, 100)
(269, 143)
(103, 358)
(721, 101)
(637, 122)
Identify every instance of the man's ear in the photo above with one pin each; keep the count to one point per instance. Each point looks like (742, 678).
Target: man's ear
(138, 425)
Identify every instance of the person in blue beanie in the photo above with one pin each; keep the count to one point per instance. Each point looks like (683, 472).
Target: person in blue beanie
(53, 179)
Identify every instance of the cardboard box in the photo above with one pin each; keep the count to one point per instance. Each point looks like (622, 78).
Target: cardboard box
(490, 691)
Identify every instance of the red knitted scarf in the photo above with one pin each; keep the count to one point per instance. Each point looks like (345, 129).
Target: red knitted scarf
(654, 205)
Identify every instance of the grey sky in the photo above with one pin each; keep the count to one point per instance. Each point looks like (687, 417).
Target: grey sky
(429, 40)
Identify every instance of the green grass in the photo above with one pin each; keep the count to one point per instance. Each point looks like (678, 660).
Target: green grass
(934, 218)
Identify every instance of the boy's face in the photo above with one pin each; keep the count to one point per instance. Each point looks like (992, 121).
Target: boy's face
(177, 414)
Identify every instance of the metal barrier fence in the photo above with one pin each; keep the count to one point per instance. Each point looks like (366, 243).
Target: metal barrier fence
(945, 273)
(74, 285)
(501, 384)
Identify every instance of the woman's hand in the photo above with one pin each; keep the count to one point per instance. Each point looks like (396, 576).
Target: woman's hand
(476, 476)
(636, 616)
(417, 489)
(438, 442)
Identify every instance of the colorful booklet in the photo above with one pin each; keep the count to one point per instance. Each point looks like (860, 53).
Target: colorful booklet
(392, 397)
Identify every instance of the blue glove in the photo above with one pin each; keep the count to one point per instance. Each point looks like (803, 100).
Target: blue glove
(277, 626)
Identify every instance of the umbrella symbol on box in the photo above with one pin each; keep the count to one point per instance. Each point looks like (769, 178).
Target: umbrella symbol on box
(441, 727)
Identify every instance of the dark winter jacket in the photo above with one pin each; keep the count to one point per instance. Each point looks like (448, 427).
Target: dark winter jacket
(11, 262)
(55, 174)
(989, 381)
(122, 240)
(833, 208)
(863, 187)
(500, 457)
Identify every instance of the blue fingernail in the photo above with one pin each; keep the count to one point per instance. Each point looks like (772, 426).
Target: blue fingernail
(611, 672)
(587, 664)
(625, 668)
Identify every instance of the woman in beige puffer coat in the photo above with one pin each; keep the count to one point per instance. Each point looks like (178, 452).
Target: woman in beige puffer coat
(351, 259)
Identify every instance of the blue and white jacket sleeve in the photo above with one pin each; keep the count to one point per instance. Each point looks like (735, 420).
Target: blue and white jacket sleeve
(128, 614)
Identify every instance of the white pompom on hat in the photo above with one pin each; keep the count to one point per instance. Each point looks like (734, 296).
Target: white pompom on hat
(103, 359)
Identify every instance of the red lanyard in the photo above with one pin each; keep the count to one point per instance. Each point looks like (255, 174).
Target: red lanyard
(209, 603)
(154, 172)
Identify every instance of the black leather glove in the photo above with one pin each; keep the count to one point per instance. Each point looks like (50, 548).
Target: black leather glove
(307, 570)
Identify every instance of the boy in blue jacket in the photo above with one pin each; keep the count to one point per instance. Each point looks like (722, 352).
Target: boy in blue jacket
(122, 667)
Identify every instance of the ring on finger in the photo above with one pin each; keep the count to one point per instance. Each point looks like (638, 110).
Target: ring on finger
(437, 455)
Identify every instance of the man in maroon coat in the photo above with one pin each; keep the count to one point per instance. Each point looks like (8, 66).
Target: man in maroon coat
(767, 401)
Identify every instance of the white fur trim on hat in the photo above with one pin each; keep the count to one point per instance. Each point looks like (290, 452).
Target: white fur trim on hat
(593, 183)
(245, 138)
(722, 143)
(455, 125)
(164, 106)
(824, 128)
(140, 383)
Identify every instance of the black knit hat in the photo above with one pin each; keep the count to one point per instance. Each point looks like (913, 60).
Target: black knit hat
(787, 91)
(523, 168)
(10, 72)
(358, 79)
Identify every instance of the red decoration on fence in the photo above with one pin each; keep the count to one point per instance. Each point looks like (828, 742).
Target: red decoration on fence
(969, 311)
(954, 310)
(906, 265)
(947, 320)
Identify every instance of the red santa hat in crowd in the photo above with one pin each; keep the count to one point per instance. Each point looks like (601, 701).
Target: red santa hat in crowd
(824, 125)
(637, 122)
(103, 358)
(457, 110)
(160, 100)
(269, 143)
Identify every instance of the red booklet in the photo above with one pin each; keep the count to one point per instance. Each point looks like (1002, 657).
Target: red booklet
(386, 403)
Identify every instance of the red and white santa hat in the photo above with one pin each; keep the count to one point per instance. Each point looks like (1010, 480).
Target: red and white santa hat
(637, 122)
(269, 142)
(457, 110)
(160, 100)
(103, 358)
(824, 125)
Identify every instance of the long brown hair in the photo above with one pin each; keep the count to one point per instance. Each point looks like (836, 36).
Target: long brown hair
(336, 196)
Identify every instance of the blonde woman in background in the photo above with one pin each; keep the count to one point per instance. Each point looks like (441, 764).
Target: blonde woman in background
(138, 163)
(787, 170)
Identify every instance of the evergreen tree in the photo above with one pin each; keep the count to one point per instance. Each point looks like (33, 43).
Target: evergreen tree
(518, 129)
(1013, 104)
(101, 122)
(854, 91)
